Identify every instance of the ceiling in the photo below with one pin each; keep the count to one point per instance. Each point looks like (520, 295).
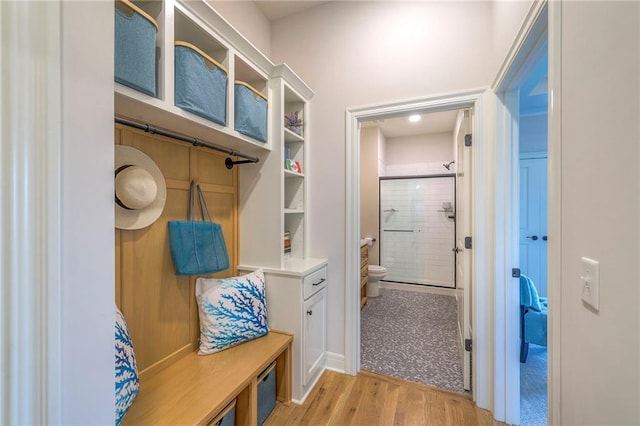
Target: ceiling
(435, 122)
(275, 10)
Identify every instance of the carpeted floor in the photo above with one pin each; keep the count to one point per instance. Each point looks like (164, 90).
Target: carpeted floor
(413, 336)
(533, 387)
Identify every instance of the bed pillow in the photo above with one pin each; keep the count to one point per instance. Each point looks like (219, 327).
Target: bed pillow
(127, 382)
(232, 311)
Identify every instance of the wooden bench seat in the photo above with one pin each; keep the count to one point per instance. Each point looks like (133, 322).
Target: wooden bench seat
(195, 389)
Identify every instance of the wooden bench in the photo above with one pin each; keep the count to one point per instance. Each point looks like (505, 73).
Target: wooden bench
(196, 389)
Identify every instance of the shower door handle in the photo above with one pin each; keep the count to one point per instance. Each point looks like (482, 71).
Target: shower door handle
(533, 237)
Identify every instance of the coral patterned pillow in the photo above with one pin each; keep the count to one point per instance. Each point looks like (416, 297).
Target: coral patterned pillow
(232, 311)
(127, 382)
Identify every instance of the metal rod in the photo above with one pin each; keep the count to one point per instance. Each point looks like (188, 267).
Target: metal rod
(194, 141)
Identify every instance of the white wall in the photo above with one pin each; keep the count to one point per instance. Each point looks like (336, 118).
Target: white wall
(419, 155)
(88, 266)
(599, 375)
(245, 17)
(355, 54)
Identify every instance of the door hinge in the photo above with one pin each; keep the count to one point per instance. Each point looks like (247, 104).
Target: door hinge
(468, 139)
(467, 243)
(468, 346)
(515, 272)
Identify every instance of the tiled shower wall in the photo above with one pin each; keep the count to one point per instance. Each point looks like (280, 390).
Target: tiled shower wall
(417, 238)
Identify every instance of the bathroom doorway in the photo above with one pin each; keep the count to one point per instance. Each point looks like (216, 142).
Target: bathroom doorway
(414, 326)
(417, 229)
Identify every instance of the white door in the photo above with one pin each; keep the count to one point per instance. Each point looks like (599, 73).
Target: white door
(314, 343)
(533, 221)
(463, 229)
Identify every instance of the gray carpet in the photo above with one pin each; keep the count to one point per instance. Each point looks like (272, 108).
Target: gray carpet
(533, 387)
(413, 336)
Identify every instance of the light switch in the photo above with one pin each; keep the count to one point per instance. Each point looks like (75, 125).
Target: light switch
(591, 282)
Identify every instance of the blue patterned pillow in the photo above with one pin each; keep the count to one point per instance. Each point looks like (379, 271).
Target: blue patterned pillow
(232, 311)
(127, 382)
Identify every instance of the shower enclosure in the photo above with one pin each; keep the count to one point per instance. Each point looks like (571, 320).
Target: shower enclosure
(417, 229)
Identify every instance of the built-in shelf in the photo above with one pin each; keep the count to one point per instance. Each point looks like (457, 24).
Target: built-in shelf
(196, 23)
(290, 136)
(293, 211)
(290, 174)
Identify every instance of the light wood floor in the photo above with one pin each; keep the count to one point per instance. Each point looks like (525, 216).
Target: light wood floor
(372, 399)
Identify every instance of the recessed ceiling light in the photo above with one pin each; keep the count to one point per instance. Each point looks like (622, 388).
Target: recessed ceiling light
(414, 118)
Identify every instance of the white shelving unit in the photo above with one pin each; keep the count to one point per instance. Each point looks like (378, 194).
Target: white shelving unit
(196, 23)
(272, 199)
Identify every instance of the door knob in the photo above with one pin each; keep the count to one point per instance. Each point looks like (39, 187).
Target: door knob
(544, 238)
(309, 312)
(456, 250)
(533, 237)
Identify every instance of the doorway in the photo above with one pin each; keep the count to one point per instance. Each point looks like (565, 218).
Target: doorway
(408, 215)
(481, 102)
(523, 141)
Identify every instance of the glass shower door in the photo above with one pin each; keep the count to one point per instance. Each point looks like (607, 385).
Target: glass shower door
(417, 230)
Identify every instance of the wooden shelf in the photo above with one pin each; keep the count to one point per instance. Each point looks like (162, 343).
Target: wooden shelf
(290, 137)
(290, 174)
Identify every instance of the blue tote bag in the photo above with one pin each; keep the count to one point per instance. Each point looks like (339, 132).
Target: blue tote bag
(197, 246)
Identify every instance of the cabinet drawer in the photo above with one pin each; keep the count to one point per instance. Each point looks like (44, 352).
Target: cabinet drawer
(314, 282)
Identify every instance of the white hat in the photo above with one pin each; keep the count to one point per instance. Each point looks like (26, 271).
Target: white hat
(140, 190)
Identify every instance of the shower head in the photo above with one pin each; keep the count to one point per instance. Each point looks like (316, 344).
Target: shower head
(448, 166)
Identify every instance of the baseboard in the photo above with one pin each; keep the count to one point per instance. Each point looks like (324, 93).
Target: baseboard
(417, 288)
(335, 362)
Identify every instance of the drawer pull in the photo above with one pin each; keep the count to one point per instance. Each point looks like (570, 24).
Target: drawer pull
(309, 312)
(319, 282)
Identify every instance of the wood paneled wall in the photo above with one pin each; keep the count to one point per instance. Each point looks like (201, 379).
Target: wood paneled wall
(159, 306)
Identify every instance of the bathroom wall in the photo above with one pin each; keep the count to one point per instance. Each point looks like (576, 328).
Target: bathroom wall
(370, 142)
(419, 155)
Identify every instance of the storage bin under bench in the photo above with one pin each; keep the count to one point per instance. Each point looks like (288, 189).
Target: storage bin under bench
(197, 389)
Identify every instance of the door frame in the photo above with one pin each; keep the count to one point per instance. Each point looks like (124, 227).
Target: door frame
(542, 16)
(481, 101)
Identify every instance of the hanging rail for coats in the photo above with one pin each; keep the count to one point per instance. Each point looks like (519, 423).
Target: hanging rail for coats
(229, 163)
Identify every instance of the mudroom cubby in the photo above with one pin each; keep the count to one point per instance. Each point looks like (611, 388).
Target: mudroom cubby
(197, 24)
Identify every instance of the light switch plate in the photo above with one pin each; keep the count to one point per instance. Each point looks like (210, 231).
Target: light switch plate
(591, 282)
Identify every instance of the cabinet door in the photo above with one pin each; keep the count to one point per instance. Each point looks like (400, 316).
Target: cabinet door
(314, 337)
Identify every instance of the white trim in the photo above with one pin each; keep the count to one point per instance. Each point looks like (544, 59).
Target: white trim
(512, 62)
(354, 117)
(335, 362)
(30, 167)
(554, 220)
(483, 300)
(529, 43)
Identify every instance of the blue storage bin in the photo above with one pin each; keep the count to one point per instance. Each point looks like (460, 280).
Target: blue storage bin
(200, 83)
(228, 416)
(250, 111)
(266, 393)
(135, 48)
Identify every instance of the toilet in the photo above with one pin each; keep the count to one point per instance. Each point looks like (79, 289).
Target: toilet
(376, 273)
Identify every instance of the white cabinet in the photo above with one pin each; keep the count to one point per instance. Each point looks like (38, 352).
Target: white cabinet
(314, 336)
(297, 304)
